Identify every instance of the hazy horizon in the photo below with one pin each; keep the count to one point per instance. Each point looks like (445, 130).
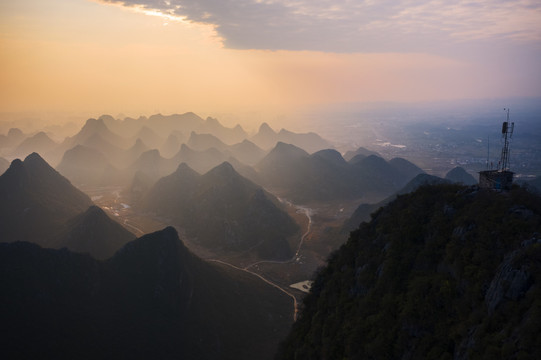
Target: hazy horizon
(140, 57)
(383, 211)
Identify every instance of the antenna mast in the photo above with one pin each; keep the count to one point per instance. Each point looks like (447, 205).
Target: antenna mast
(507, 133)
(488, 153)
(500, 179)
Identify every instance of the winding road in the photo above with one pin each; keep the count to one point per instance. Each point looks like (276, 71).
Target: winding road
(265, 280)
(300, 209)
(308, 213)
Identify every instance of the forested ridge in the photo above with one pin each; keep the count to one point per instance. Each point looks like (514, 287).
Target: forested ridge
(445, 272)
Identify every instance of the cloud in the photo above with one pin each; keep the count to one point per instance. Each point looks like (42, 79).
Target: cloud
(356, 25)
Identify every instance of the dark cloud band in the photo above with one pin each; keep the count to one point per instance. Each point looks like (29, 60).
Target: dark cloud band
(351, 25)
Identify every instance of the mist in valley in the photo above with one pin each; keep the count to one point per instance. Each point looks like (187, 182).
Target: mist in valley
(263, 180)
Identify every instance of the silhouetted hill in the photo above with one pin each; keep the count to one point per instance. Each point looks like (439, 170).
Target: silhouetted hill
(245, 170)
(4, 165)
(139, 185)
(13, 138)
(247, 152)
(170, 192)
(165, 124)
(152, 299)
(358, 158)
(326, 176)
(349, 155)
(40, 143)
(127, 127)
(149, 137)
(267, 138)
(92, 133)
(223, 210)
(282, 168)
(92, 232)
(378, 175)
(200, 161)
(152, 164)
(310, 142)
(363, 211)
(200, 142)
(113, 152)
(444, 272)
(35, 200)
(84, 165)
(171, 146)
(420, 180)
(225, 134)
(460, 176)
(405, 168)
(133, 153)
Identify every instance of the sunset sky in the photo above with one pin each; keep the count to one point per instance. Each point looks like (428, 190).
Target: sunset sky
(145, 56)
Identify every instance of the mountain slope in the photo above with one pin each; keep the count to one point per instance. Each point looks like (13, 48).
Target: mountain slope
(171, 146)
(406, 168)
(201, 142)
(376, 174)
(461, 176)
(85, 165)
(363, 211)
(14, 137)
(326, 176)
(92, 130)
(4, 165)
(165, 124)
(247, 152)
(152, 299)
(149, 137)
(445, 272)
(40, 143)
(310, 142)
(92, 232)
(35, 200)
(225, 134)
(223, 210)
(267, 138)
(363, 152)
(200, 161)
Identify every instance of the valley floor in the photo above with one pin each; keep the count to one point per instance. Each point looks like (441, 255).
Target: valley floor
(313, 244)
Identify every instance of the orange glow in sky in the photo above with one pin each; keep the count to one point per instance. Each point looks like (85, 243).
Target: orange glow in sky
(81, 55)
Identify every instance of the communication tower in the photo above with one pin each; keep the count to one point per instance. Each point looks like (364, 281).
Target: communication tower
(500, 178)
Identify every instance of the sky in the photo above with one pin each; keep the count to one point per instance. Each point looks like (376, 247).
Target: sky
(211, 56)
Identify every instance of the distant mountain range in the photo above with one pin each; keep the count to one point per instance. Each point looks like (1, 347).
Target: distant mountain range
(98, 156)
(363, 211)
(444, 272)
(152, 299)
(267, 138)
(223, 210)
(325, 175)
